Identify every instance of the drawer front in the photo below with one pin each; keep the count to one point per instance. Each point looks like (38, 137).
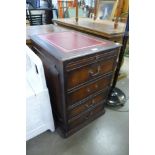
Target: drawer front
(85, 117)
(89, 89)
(88, 104)
(89, 59)
(86, 73)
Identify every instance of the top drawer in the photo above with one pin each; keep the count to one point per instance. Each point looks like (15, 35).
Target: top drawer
(88, 72)
(89, 59)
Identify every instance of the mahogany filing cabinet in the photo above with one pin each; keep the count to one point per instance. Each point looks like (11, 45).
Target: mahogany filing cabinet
(79, 69)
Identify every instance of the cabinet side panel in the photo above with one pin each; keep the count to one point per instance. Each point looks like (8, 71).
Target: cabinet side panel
(54, 78)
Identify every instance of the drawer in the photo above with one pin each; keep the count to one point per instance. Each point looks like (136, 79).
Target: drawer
(85, 91)
(86, 73)
(97, 99)
(76, 122)
(89, 59)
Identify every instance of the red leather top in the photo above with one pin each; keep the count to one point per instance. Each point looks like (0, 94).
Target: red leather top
(71, 41)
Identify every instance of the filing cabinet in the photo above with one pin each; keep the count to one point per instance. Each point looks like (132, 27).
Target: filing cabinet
(79, 69)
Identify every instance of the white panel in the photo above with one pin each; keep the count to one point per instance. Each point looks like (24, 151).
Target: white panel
(39, 117)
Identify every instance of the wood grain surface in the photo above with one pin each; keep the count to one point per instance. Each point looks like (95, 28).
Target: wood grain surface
(104, 28)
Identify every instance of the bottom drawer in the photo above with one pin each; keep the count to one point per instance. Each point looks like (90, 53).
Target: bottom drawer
(87, 104)
(85, 117)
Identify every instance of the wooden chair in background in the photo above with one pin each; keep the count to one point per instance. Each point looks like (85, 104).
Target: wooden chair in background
(34, 19)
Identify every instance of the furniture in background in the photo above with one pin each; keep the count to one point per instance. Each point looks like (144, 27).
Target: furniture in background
(47, 14)
(79, 72)
(44, 8)
(63, 7)
(107, 10)
(55, 13)
(100, 28)
(34, 19)
(122, 10)
(39, 117)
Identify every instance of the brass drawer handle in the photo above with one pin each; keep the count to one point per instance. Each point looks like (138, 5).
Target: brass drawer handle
(91, 105)
(95, 74)
(89, 90)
